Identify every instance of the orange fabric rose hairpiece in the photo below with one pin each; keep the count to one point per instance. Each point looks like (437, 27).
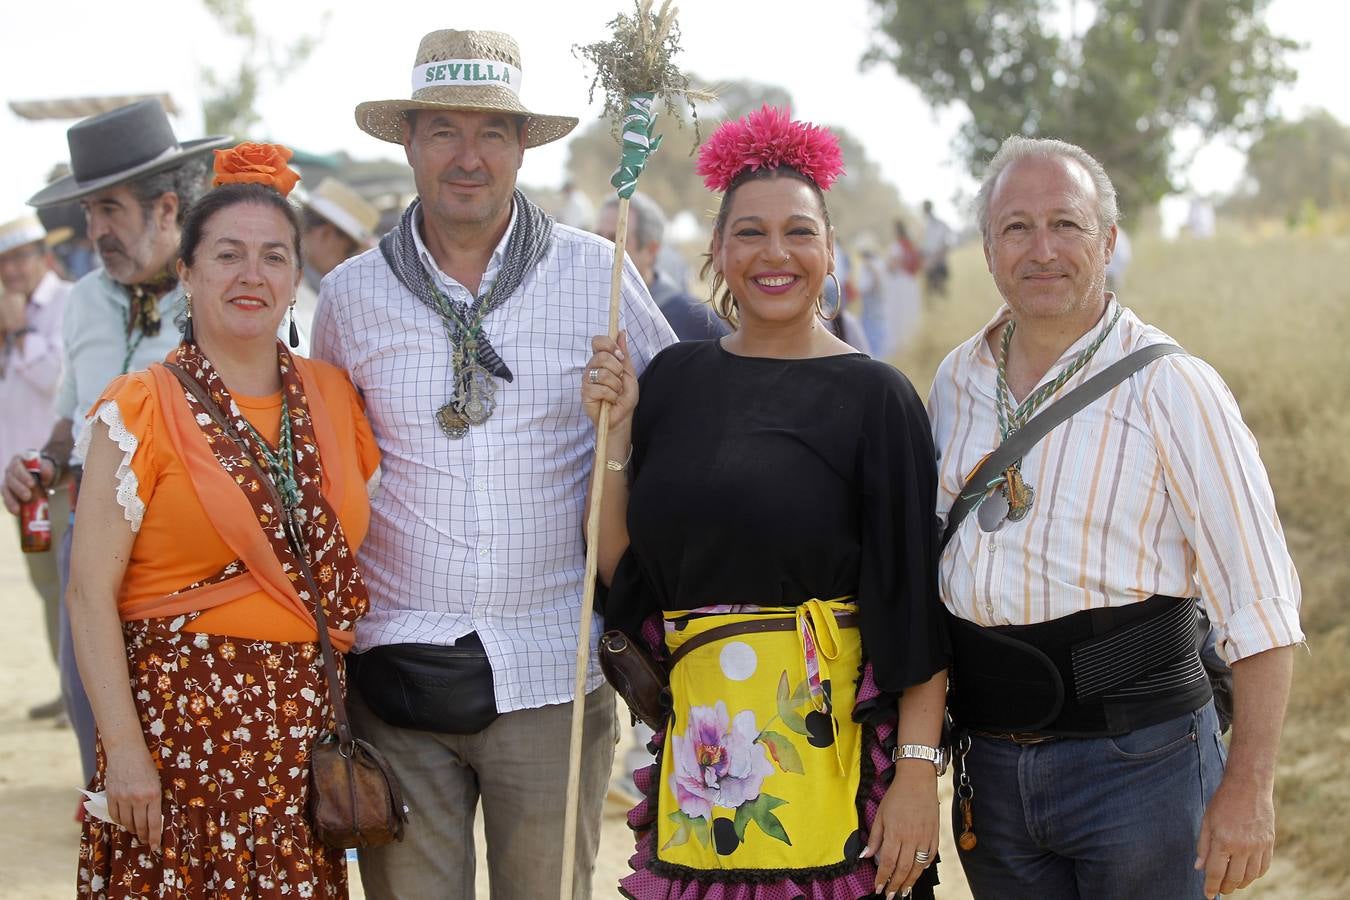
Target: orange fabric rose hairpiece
(250, 163)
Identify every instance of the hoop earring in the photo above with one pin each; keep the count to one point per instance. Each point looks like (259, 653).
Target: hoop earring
(189, 337)
(839, 299)
(294, 336)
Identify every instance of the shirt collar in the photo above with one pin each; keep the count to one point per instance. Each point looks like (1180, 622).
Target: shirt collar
(983, 356)
(494, 261)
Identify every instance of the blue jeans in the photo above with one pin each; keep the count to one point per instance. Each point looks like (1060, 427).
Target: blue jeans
(1095, 818)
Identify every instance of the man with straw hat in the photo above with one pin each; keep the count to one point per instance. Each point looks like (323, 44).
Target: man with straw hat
(135, 180)
(338, 224)
(32, 301)
(465, 330)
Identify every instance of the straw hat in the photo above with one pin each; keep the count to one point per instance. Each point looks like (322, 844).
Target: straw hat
(25, 229)
(349, 212)
(116, 146)
(475, 71)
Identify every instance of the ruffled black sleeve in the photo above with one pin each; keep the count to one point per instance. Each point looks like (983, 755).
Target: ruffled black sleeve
(903, 627)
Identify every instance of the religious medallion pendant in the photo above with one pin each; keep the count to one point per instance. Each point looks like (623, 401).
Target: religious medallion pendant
(451, 422)
(1018, 493)
(475, 399)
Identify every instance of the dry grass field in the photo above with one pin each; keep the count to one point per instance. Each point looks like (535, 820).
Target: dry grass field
(1271, 312)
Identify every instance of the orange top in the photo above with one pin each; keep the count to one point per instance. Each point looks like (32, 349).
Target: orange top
(180, 542)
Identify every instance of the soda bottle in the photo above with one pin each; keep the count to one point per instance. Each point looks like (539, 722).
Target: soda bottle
(35, 524)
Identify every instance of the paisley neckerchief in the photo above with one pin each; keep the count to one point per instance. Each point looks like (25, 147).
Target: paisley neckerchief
(331, 559)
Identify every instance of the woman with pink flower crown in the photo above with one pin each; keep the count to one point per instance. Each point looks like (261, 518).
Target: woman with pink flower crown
(767, 531)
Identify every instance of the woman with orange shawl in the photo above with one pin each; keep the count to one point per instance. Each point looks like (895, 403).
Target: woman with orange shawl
(194, 632)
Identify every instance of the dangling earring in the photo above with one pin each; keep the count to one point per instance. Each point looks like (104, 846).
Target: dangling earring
(295, 332)
(838, 303)
(188, 336)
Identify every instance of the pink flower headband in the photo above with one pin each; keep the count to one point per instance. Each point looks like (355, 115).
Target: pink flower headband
(768, 139)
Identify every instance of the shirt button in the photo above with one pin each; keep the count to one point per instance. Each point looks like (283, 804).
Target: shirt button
(483, 552)
(481, 484)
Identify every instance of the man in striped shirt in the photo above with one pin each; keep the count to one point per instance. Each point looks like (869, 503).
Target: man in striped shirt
(1094, 756)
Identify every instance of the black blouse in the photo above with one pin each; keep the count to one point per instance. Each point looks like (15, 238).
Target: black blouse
(773, 481)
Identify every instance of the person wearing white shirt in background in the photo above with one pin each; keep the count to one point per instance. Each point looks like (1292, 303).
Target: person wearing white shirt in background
(466, 331)
(339, 223)
(32, 303)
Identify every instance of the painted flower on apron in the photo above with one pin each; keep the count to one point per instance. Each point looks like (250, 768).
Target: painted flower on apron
(717, 761)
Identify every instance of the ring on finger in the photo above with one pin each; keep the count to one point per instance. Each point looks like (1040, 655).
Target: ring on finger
(922, 856)
(593, 376)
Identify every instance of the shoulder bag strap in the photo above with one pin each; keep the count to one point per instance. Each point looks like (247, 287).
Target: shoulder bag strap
(298, 546)
(1021, 441)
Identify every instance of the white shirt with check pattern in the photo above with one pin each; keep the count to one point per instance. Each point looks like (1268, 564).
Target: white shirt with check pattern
(483, 533)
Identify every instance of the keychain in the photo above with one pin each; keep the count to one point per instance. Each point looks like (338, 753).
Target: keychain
(965, 793)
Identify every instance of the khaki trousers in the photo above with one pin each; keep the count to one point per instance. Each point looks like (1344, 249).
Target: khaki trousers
(517, 769)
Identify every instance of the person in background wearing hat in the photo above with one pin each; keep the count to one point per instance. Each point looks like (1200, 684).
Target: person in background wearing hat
(339, 224)
(466, 331)
(691, 319)
(32, 301)
(135, 181)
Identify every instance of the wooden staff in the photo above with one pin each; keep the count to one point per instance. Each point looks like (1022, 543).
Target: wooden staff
(588, 584)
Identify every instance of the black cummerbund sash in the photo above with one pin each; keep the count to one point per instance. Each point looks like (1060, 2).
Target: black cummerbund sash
(1096, 673)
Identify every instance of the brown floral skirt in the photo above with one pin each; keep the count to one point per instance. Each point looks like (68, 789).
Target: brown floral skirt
(229, 723)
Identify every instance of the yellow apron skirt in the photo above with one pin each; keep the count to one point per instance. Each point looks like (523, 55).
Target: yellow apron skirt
(761, 763)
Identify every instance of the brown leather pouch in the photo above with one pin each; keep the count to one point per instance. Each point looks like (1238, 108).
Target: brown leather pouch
(354, 798)
(636, 677)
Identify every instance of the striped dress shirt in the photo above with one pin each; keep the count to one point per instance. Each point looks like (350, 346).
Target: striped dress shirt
(1156, 488)
(483, 533)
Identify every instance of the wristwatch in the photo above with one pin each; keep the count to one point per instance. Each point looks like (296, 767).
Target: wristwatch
(935, 755)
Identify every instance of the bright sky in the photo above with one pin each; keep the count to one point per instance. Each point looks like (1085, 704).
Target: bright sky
(811, 47)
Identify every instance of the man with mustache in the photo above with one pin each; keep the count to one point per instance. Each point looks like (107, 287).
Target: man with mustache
(1092, 764)
(466, 331)
(135, 181)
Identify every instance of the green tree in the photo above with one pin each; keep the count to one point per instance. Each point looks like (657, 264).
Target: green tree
(1120, 87)
(230, 103)
(1299, 164)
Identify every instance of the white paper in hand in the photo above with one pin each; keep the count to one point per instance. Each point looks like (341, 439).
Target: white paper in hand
(97, 805)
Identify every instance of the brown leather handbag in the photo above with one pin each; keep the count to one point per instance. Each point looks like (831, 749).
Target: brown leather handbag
(355, 799)
(636, 677)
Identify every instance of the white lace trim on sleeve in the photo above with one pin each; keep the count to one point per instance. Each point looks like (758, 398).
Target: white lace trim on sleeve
(128, 496)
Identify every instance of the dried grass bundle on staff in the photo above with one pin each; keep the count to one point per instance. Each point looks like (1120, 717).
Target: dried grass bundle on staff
(633, 68)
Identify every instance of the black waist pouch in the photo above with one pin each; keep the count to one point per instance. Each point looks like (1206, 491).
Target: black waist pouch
(428, 687)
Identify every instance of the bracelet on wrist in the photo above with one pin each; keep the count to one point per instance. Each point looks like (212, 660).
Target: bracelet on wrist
(58, 468)
(615, 466)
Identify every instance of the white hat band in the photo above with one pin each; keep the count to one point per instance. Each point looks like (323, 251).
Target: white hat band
(466, 73)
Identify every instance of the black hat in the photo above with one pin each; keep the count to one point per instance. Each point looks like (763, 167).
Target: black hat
(117, 146)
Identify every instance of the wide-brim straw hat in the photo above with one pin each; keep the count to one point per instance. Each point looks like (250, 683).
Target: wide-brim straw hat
(117, 146)
(17, 232)
(347, 210)
(471, 71)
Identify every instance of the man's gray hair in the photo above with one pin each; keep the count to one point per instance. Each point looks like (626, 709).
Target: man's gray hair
(188, 181)
(1017, 147)
(650, 224)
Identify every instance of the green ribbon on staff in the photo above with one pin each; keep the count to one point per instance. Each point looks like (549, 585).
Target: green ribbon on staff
(638, 143)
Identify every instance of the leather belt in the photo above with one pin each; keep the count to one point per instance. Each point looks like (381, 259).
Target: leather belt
(769, 623)
(1023, 738)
